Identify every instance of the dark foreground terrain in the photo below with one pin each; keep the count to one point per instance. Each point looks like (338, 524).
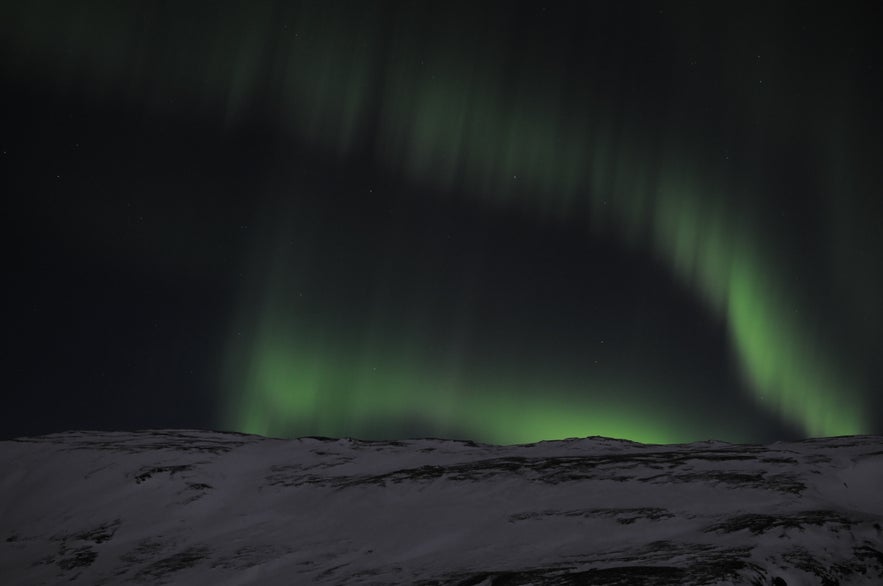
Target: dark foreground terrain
(196, 507)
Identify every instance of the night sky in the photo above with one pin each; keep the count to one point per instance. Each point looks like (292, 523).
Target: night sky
(503, 222)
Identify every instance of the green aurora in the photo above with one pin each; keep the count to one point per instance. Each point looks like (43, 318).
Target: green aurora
(475, 117)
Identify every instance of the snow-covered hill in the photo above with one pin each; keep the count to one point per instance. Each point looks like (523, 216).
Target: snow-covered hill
(195, 507)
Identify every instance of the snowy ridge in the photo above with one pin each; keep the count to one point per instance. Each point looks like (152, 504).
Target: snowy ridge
(200, 507)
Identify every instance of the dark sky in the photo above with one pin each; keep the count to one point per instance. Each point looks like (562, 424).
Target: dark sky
(498, 221)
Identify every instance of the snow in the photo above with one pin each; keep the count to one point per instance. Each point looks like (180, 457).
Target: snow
(200, 507)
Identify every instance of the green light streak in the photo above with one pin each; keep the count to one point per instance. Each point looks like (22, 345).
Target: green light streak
(788, 367)
(299, 383)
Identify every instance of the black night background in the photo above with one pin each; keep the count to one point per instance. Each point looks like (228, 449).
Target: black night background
(514, 221)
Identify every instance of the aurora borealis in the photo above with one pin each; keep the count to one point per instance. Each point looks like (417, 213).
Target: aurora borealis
(509, 222)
